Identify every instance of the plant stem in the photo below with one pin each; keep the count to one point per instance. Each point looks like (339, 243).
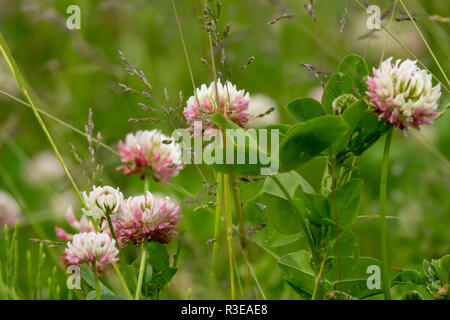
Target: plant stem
(122, 280)
(238, 208)
(215, 253)
(141, 269)
(303, 223)
(20, 81)
(97, 285)
(383, 234)
(425, 42)
(319, 276)
(229, 227)
(116, 268)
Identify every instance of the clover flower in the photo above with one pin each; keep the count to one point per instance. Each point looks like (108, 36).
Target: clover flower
(149, 217)
(403, 94)
(202, 105)
(89, 246)
(82, 226)
(102, 201)
(9, 210)
(150, 152)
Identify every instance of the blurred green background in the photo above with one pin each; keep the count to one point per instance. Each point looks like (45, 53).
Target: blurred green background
(71, 71)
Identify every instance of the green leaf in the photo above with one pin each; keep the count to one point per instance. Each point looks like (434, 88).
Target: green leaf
(354, 276)
(157, 256)
(337, 85)
(88, 276)
(279, 212)
(348, 246)
(297, 267)
(352, 116)
(444, 264)
(347, 202)
(308, 139)
(163, 277)
(313, 206)
(243, 153)
(408, 277)
(290, 180)
(367, 132)
(270, 237)
(305, 109)
(355, 68)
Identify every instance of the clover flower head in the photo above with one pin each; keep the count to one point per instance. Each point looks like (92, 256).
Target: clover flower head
(102, 201)
(149, 217)
(9, 210)
(150, 152)
(203, 104)
(81, 226)
(403, 94)
(87, 246)
(341, 103)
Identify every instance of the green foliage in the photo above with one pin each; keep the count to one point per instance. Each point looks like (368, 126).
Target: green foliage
(304, 109)
(159, 271)
(308, 139)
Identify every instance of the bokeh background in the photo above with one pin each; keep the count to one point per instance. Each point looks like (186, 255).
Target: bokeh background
(71, 71)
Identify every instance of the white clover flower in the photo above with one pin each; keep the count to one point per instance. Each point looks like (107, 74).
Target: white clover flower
(259, 105)
(102, 201)
(202, 105)
(403, 94)
(9, 210)
(150, 152)
(87, 246)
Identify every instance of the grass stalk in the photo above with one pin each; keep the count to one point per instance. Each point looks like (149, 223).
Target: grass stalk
(425, 42)
(141, 269)
(229, 230)
(97, 285)
(383, 233)
(218, 214)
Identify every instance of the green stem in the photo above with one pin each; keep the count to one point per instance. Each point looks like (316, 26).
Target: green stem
(20, 81)
(97, 285)
(116, 268)
(383, 234)
(229, 224)
(215, 252)
(238, 208)
(141, 270)
(146, 184)
(122, 281)
(425, 42)
(303, 223)
(319, 277)
(111, 229)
